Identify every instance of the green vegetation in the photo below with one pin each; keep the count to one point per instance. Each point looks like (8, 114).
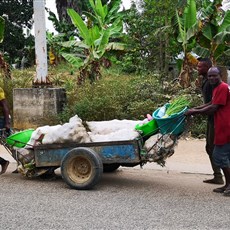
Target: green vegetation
(177, 105)
(18, 42)
(115, 96)
(142, 46)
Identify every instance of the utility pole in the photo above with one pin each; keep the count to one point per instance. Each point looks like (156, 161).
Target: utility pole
(41, 79)
(36, 106)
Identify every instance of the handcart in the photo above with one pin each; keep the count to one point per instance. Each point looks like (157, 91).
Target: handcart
(82, 164)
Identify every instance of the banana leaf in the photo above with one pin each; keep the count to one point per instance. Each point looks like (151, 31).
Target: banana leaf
(226, 22)
(2, 29)
(201, 51)
(101, 43)
(94, 33)
(116, 46)
(81, 26)
(190, 18)
(72, 59)
(115, 7)
(100, 10)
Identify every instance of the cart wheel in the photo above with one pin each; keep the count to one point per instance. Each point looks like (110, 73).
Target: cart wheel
(107, 168)
(81, 168)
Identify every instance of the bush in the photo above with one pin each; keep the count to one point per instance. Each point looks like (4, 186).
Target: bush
(114, 96)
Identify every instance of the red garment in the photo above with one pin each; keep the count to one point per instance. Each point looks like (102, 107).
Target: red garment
(221, 96)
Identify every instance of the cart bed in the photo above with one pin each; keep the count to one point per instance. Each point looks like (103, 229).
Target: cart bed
(110, 152)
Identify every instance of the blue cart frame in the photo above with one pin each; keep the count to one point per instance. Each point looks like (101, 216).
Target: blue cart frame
(121, 152)
(82, 164)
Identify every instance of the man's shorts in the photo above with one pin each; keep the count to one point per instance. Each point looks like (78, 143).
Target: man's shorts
(221, 155)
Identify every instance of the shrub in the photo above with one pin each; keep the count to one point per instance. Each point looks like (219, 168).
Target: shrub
(114, 96)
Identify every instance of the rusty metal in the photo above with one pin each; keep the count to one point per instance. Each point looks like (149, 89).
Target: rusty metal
(42, 84)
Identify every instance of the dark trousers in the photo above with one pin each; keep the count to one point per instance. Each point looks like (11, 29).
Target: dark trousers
(210, 146)
(2, 161)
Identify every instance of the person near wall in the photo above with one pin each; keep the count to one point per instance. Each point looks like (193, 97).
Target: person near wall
(220, 107)
(203, 65)
(4, 124)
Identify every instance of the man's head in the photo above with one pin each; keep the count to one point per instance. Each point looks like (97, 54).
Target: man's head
(214, 76)
(203, 66)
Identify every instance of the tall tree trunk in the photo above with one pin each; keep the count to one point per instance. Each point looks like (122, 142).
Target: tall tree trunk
(166, 56)
(63, 5)
(161, 54)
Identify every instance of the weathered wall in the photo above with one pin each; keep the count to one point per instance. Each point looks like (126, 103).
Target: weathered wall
(32, 107)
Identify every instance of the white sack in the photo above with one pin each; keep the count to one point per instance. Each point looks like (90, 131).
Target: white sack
(107, 127)
(74, 131)
(39, 133)
(119, 135)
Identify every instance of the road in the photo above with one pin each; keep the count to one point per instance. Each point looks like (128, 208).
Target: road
(172, 197)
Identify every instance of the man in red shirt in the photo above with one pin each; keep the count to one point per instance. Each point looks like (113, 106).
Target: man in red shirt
(220, 107)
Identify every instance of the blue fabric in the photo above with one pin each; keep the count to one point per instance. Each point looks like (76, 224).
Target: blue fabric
(221, 155)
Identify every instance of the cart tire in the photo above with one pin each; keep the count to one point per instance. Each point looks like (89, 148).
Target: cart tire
(81, 168)
(107, 168)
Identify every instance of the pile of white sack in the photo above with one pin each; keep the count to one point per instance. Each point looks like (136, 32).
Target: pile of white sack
(113, 130)
(75, 131)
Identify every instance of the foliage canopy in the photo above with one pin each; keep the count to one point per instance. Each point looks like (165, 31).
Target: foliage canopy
(18, 19)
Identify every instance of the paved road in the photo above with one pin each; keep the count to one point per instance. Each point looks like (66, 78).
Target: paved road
(132, 198)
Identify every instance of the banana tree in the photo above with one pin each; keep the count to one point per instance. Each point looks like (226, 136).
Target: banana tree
(214, 31)
(187, 27)
(95, 34)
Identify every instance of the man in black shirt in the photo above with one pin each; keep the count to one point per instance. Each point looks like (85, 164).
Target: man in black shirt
(203, 65)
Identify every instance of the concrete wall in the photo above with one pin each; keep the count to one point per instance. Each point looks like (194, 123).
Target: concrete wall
(33, 107)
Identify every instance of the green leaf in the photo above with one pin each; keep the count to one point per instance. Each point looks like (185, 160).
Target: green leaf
(91, 2)
(227, 52)
(96, 55)
(219, 51)
(115, 8)
(102, 42)
(116, 46)
(207, 32)
(2, 29)
(99, 10)
(73, 43)
(79, 23)
(181, 36)
(201, 51)
(116, 27)
(192, 30)
(72, 59)
(226, 22)
(94, 33)
(204, 42)
(90, 16)
(223, 36)
(191, 14)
